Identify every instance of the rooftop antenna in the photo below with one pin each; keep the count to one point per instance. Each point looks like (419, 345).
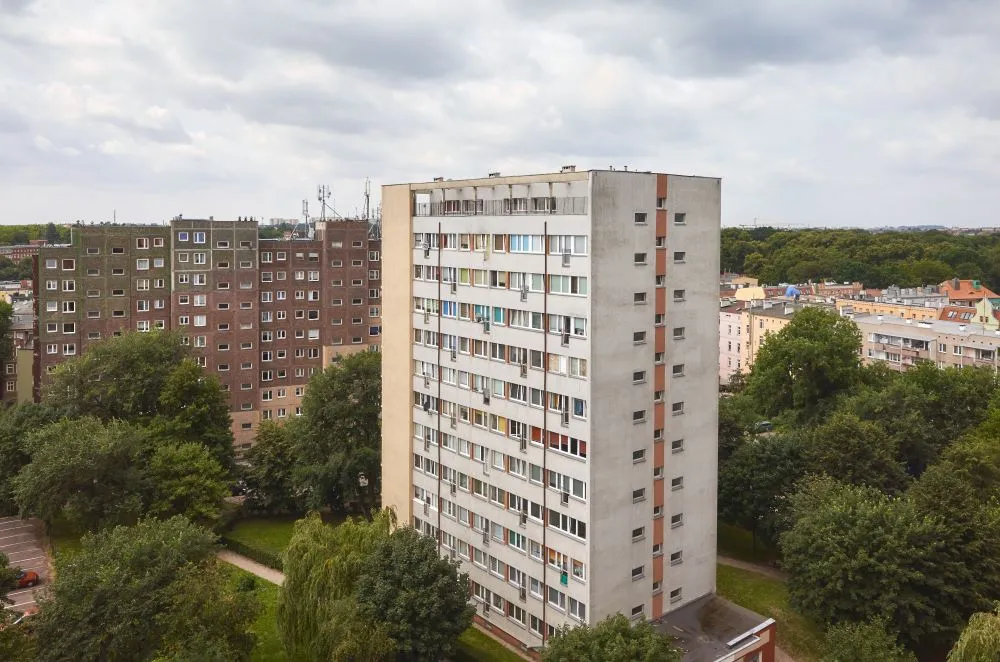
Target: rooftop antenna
(322, 194)
(368, 198)
(296, 233)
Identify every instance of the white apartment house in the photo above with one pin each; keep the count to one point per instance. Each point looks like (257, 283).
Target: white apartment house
(550, 378)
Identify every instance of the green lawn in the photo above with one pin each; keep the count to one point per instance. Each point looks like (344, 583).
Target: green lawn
(270, 534)
(737, 543)
(798, 636)
(475, 646)
(65, 538)
(268, 647)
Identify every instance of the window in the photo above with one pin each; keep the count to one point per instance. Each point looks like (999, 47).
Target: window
(661, 203)
(639, 258)
(142, 264)
(679, 256)
(199, 237)
(678, 295)
(677, 408)
(222, 244)
(93, 250)
(639, 376)
(182, 236)
(639, 456)
(676, 520)
(677, 483)
(639, 495)
(68, 265)
(640, 218)
(142, 242)
(639, 416)
(638, 573)
(678, 370)
(677, 445)
(680, 219)
(675, 595)
(639, 533)
(639, 298)
(676, 558)
(659, 319)
(638, 337)
(637, 611)
(678, 333)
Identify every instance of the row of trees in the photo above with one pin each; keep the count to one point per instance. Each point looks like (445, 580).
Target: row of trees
(880, 489)
(876, 259)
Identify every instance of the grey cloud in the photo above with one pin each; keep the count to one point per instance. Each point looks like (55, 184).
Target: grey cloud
(12, 121)
(14, 6)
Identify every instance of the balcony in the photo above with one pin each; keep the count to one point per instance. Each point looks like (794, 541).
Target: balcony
(503, 207)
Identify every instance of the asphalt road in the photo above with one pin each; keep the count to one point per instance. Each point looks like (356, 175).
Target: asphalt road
(21, 541)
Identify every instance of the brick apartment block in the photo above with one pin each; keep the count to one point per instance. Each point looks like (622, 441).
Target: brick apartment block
(263, 315)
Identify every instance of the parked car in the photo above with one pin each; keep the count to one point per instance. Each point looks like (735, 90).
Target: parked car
(27, 579)
(763, 426)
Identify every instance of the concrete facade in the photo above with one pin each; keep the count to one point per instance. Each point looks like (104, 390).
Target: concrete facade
(731, 326)
(550, 378)
(902, 343)
(887, 309)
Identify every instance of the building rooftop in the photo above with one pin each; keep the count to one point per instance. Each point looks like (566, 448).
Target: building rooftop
(957, 313)
(934, 326)
(712, 627)
(966, 289)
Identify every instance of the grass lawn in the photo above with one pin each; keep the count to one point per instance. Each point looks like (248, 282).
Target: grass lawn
(65, 538)
(798, 636)
(474, 646)
(268, 647)
(270, 534)
(737, 543)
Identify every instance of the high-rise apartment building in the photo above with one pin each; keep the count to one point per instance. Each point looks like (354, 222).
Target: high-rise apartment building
(262, 315)
(550, 377)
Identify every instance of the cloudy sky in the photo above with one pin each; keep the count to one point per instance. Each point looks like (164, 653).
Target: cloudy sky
(814, 112)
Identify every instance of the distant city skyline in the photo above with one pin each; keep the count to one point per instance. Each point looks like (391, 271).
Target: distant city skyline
(814, 114)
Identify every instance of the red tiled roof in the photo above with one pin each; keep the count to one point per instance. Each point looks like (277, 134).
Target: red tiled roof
(965, 290)
(957, 313)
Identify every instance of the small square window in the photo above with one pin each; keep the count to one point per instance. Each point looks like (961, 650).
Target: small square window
(638, 376)
(676, 520)
(637, 573)
(678, 370)
(638, 337)
(675, 595)
(680, 219)
(640, 218)
(658, 434)
(639, 495)
(639, 297)
(679, 256)
(639, 258)
(659, 319)
(639, 455)
(661, 203)
(637, 611)
(677, 483)
(678, 333)
(639, 533)
(677, 408)
(676, 446)
(658, 358)
(639, 416)
(679, 295)
(676, 558)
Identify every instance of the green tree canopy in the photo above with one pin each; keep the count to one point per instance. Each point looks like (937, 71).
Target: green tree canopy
(854, 553)
(340, 433)
(814, 358)
(754, 482)
(856, 452)
(980, 640)
(16, 423)
(269, 471)
(614, 639)
(421, 598)
(864, 642)
(318, 614)
(736, 423)
(85, 470)
(130, 592)
(184, 479)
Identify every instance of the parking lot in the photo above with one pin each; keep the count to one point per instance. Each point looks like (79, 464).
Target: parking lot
(21, 541)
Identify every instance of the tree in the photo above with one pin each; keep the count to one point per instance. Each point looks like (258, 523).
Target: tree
(16, 423)
(812, 359)
(52, 234)
(269, 472)
(856, 452)
(16, 645)
(184, 479)
(421, 598)
(130, 593)
(194, 408)
(614, 639)
(736, 421)
(85, 470)
(854, 553)
(980, 640)
(340, 436)
(120, 377)
(318, 613)
(8, 579)
(755, 480)
(864, 642)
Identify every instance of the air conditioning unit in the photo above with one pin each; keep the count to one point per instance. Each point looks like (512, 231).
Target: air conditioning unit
(565, 338)
(565, 258)
(565, 498)
(454, 353)
(454, 287)
(524, 370)
(452, 488)
(524, 594)
(524, 445)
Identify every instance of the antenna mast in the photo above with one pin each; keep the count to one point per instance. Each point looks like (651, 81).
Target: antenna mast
(322, 194)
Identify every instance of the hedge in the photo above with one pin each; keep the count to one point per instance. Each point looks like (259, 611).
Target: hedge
(269, 559)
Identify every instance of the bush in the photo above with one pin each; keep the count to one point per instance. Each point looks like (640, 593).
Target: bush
(269, 559)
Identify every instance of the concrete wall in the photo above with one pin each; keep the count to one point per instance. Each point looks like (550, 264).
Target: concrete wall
(617, 196)
(730, 345)
(397, 348)
(700, 200)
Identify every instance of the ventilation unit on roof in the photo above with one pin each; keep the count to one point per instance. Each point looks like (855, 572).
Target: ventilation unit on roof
(494, 174)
